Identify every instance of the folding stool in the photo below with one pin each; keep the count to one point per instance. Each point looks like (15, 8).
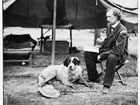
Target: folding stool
(117, 70)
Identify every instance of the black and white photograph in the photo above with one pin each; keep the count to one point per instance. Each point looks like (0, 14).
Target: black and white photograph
(69, 52)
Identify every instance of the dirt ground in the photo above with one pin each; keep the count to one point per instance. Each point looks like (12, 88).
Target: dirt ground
(20, 81)
(20, 85)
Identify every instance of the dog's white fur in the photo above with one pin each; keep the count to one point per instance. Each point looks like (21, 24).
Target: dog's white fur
(75, 74)
(68, 72)
(52, 71)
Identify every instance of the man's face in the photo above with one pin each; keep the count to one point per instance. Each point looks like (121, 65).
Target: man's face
(111, 19)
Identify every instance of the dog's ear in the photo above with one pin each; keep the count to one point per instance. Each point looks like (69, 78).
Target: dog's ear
(78, 61)
(66, 61)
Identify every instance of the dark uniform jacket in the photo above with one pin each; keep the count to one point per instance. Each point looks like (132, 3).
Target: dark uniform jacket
(116, 43)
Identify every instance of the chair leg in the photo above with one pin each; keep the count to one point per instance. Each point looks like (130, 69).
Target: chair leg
(120, 77)
(103, 70)
(101, 65)
(30, 59)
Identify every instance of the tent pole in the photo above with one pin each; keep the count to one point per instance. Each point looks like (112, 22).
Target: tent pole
(76, 13)
(28, 9)
(54, 32)
(97, 35)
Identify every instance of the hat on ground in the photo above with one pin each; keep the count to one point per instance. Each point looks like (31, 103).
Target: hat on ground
(49, 91)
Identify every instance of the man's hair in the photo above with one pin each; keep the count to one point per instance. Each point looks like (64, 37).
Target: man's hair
(116, 12)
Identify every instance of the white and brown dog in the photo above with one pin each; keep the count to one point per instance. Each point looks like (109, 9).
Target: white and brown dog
(75, 70)
(68, 72)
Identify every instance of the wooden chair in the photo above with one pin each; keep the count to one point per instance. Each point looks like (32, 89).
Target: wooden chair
(117, 70)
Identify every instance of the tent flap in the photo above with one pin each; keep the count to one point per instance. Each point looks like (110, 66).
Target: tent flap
(129, 9)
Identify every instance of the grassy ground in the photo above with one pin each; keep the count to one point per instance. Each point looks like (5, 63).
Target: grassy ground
(20, 81)
(20, 86)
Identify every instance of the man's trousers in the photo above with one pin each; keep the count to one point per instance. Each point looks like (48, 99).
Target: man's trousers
(91, 60)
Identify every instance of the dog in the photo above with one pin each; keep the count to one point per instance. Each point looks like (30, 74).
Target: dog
(68, 72)
(75, 70)
(60, 72)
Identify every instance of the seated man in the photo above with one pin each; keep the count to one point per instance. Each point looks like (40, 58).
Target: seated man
(113, 49)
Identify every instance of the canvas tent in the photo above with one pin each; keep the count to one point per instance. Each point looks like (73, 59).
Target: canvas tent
(83, 14)
(129, 9)
(6, 3)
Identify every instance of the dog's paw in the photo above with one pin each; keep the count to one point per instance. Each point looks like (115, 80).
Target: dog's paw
(72, 86)
(41, 84)
(91, 85)
(69, 84)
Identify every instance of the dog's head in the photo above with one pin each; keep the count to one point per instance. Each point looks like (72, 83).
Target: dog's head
(71, 62)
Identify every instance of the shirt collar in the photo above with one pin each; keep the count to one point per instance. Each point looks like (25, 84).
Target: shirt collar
(114, 25)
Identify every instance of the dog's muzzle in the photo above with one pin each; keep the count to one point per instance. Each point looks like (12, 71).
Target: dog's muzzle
(71, 66)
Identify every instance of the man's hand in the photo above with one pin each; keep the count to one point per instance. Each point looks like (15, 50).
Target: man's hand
(99, 41)
(98, 57)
